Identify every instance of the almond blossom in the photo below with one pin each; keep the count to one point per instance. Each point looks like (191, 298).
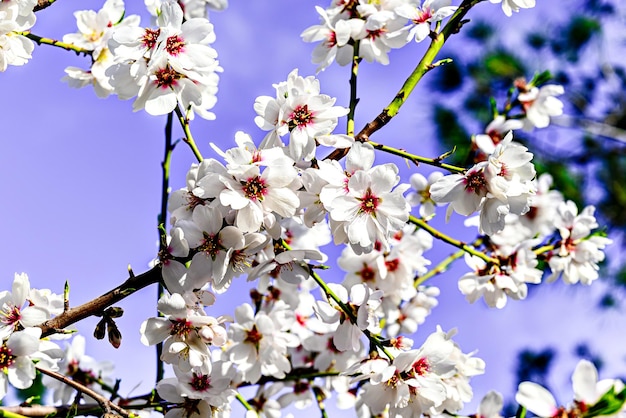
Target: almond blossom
(496, 187)
(578, 253)
(510, 6)
(17, 310)
(300, 110)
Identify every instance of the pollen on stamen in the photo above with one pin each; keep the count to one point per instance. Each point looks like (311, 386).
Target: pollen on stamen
(167, 77)
(200, 382)
(369, 202)
(6, 358)
(475, 182)
(174, 45)
(150, 37)
(254, 188)
(300, 117)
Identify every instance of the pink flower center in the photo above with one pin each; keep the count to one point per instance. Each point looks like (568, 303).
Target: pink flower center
(475, 182)
(200, 382)
(423, 16)
(180, 327)
(254, 336)
(421, 366)
(392, 265)
(254, 188)
(331, 39)
(300, 117)
(211, 245)
(369, 202)
(174, 45)
(367, 274)
(85, 377)
(166, 77)
(150, 37)
(376, 33)
(11, 316)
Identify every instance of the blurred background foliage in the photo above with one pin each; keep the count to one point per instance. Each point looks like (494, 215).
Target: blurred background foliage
(583, 46)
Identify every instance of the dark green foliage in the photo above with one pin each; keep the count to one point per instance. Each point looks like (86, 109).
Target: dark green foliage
(574, 36)
(452, 133)
(480, 31)
(448, 77)
(534, 366)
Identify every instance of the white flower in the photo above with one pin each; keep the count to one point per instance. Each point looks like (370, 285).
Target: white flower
(370, 210)
(540, 104)
(185, 333)
(17, 356)
(578, 253)
(15, 49)
(300, 110)
(256, 196)
(497, 187)
(497, 282)
(421, 197)
(420, 18)
(363, 302)
(510, 6)
(334, 39)
(16, 308)
(259, 341)
(80, 367)
(587, 392)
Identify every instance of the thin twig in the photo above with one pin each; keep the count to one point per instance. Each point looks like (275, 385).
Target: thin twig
(104, 403)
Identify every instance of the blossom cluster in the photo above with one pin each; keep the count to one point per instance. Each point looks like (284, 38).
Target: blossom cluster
(15, 16)
(267, 212)
(21, 309)
(378, 27)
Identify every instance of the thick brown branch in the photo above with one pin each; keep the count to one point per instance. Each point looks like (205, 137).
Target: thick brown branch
(97, 305)
(42, 4)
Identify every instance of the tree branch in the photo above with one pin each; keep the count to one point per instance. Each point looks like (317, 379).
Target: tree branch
(42, 4)
(97, 305)
(425, 65)
(104, 403)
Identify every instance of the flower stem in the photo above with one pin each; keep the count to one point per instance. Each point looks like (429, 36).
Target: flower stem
(374, 339)
(244, 403)
(48, 41)
(439, 268)
(416, 158)
(455, 242)
(353, 90)
(184, 123)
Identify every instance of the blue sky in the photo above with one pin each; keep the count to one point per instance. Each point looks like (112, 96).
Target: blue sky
(81, 180)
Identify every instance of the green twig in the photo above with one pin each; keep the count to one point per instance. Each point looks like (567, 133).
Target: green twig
(425, 65)
(416, 158)
(439, 268)
(48, 41)
(374, 339)
(184, 123)
(455, 242)
(320, 398)
(245, 403)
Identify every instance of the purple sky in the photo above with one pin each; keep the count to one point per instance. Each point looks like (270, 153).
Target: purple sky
(81, 180)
